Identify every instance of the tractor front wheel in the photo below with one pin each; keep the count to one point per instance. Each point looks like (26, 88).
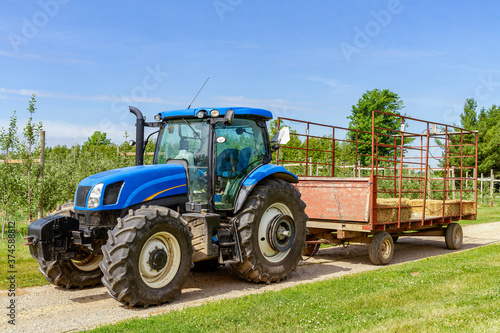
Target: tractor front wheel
(147, 257)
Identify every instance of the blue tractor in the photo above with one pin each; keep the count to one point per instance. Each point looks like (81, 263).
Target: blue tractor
(210, 197)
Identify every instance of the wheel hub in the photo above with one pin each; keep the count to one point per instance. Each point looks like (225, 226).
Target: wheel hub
(157, 259)
(281, 233)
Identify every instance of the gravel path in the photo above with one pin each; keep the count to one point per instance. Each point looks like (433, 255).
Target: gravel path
(51, 309)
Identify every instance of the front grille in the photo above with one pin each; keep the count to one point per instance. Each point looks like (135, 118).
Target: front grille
(112, 192)
(81, 195)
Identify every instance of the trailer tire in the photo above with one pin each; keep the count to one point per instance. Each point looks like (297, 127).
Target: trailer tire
(381, 248)
(272, 202)
(72, 273)
(454, 236)
(148, 257)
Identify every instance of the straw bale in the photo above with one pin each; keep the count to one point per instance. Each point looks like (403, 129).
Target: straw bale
(468, 208)
(435, 207)
(387, 210)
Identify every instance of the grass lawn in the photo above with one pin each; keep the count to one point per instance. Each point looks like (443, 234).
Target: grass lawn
(458, 292)
(27, 268)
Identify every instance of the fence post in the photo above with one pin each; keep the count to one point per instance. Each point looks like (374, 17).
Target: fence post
(42, 170)
(482, 195)
(491, 187)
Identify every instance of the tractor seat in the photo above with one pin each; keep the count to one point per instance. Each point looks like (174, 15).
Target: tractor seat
(227, 160)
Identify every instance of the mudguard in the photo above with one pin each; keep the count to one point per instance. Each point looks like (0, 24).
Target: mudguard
(264, 171)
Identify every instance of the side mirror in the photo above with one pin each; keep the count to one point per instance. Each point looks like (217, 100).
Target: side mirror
(229, 117)
(131, 143)
(282, 137)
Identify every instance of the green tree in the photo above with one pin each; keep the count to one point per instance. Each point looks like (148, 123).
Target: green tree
(361, 119)
(8, 137)
(468, 119)
(489, 139)
(28, 151)
(98, 139)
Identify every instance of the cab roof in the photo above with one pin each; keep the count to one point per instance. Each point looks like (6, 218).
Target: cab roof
(238, 111)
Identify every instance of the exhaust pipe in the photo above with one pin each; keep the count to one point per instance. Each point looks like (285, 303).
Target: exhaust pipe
(139, 135)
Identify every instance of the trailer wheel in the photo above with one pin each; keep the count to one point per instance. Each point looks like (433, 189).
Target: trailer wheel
(381, 248)
(81, 272)
(454, 236)
(272, 230)
(147, 257)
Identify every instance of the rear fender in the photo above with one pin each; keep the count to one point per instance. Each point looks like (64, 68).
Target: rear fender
(262, 172)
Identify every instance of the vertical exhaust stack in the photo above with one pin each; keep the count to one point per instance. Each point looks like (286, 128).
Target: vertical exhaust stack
(139, 135)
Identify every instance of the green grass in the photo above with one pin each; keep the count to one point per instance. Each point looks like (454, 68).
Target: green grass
(27, 268)
(453, 293)
(27, 274)
(485, 214)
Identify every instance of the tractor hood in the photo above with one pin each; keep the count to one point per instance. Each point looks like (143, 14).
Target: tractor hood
(121, 188)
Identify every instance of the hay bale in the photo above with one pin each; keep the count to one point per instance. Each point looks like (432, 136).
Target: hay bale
(387, 210)
(468, 208)
(435, 207)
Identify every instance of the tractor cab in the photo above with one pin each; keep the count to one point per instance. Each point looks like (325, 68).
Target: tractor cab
(219, 148)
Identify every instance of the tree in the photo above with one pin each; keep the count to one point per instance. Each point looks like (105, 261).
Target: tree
(361, 119)
(98, 139)
(468, 119)
(489, 139)
(8, 137)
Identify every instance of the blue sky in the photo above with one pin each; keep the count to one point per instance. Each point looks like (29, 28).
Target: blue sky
(310, 60)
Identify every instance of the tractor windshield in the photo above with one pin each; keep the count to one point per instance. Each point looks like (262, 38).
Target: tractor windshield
(186, 140)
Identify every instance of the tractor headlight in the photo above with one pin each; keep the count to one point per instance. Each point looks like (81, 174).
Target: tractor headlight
(95, 196)
(158, 117)
(214, 113)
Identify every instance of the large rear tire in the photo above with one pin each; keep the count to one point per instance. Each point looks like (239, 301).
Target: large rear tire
(272, 229)
(147, 257)
(81, 272)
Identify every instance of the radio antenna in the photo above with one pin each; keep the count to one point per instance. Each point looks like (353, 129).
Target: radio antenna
(189, 107)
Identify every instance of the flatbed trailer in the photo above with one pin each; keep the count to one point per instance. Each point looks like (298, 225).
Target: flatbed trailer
(391, 183)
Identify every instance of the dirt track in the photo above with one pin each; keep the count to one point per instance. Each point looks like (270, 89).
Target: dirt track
(51, 309)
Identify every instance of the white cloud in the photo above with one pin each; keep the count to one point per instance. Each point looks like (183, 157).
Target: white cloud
(332, 83)
(99, 98)
(64, 133)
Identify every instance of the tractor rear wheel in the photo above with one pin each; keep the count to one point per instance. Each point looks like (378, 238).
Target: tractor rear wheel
(272, 230)
(81, 272)
(148, 257)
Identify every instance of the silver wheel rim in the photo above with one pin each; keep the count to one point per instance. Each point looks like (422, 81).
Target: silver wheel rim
(158, 278)
(89, 263)
(265, 247)
(385, 249)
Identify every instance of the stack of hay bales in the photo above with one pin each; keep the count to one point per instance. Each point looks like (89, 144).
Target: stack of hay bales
(387, 210)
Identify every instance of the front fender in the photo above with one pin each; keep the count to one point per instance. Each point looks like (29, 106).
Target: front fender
(262, 172)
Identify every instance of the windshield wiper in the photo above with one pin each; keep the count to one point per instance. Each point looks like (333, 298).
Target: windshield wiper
(191, 127)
